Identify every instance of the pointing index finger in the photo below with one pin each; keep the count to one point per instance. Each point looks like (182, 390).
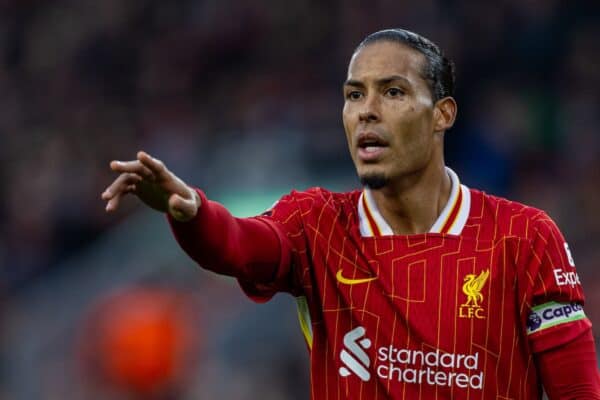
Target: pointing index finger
(132, 166)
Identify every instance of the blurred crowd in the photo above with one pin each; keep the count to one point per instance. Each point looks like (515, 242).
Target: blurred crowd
(239, 96)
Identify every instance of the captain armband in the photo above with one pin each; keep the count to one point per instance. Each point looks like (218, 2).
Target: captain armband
(552, 314)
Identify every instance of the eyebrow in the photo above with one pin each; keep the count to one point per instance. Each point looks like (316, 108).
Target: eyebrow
(379, 82)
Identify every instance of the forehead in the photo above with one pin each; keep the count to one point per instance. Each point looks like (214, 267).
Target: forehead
(385, 58)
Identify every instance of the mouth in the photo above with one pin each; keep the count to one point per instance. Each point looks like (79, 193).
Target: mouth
(371, 146)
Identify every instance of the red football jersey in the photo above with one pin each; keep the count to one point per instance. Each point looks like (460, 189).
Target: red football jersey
(457, 312)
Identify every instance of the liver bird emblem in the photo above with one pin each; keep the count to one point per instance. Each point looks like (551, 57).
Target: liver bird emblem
(472, 287)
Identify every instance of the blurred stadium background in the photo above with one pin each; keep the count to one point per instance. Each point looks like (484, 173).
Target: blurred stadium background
(244, 100)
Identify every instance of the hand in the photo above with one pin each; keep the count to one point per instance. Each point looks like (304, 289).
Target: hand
(151, 181)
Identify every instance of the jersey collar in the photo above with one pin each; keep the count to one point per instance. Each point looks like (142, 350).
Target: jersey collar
(451, 220)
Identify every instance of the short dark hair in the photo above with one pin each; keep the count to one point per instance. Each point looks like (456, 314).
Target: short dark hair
(438, 70)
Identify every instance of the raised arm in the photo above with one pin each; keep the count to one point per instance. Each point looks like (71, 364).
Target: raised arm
(252, 249)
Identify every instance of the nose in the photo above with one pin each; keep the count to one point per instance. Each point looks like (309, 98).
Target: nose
(370, 110)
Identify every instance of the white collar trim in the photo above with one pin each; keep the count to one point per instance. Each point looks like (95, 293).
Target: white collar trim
(451, 220)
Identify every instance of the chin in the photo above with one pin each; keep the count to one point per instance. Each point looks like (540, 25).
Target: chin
(374, 180)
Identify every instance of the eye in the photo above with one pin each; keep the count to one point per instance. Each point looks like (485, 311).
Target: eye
(354, 95)
(394, 92)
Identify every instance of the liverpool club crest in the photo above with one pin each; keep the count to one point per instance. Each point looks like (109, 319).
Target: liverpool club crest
(472, 289)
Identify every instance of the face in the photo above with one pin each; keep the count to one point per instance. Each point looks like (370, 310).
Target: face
(389, 115)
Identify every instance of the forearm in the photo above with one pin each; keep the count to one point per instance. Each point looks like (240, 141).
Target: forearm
(247, 248)
(571, 371)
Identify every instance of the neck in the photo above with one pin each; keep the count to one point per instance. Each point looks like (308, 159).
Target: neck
(412, 203)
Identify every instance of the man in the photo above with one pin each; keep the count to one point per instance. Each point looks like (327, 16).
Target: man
(416, 286)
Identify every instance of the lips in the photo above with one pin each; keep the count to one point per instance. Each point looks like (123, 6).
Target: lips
(371, 146)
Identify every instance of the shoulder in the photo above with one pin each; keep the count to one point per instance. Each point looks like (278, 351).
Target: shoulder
(508, 217)
(314, 200)
(318, 197)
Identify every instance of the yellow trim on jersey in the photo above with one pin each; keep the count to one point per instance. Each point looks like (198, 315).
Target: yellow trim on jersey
(368, 211)
(364, 218)
(455, 213)
(304, 319)
(451, 211)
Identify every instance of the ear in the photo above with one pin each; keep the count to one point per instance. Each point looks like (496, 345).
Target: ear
(444, 114)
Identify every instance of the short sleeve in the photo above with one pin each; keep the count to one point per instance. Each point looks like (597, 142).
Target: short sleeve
(554, 293)
(284, 217)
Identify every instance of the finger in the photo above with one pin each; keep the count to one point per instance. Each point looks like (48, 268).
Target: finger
(182, 209)
(156, 166)
(113, 203)
(132, 166)
(120, 183)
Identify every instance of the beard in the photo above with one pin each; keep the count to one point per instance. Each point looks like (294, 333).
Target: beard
(374, 181)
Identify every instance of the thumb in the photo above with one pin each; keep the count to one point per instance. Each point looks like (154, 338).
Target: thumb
(182, 209)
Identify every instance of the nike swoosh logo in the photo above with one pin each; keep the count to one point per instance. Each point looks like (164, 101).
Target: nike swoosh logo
(347, 281)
